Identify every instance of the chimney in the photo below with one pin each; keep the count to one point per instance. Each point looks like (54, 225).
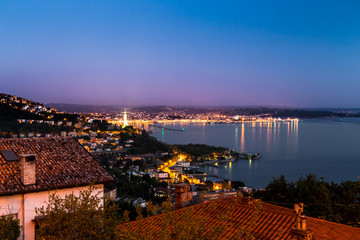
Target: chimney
(300, 232)
(183, 195)
(28, 166)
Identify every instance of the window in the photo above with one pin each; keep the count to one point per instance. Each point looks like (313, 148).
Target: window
(9, 155)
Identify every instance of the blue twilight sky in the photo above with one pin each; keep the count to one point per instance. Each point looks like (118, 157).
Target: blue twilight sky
(287, 53)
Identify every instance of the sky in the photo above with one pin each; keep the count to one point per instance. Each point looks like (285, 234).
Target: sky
(203, 53)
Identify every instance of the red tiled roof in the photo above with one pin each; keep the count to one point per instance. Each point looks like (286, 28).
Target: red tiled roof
(61, 162)
(273, 222)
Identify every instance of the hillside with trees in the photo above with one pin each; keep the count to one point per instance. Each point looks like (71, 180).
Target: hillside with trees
(337, 202)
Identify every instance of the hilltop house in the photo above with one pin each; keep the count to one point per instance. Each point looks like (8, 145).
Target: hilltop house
(32, 169)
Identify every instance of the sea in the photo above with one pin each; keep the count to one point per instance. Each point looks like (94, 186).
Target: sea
(329, 148)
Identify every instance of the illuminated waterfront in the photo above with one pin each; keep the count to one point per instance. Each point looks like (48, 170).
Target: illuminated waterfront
(328, 148)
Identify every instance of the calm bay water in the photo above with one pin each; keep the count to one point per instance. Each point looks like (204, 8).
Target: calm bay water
(328, 148)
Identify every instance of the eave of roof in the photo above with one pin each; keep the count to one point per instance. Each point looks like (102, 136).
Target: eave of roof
(61, 163)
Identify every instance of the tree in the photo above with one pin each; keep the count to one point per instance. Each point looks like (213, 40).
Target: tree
(338, 202)
(9, 228)
(315, 192)
(279, 190)
(237, 184)
(86, 216)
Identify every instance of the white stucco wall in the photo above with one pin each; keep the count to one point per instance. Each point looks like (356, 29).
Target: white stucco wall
(12, 205)
(30, 201)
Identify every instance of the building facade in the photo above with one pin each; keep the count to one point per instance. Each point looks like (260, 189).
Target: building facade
(32, 169)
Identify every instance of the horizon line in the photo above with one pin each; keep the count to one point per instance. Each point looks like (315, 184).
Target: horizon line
(198, 106)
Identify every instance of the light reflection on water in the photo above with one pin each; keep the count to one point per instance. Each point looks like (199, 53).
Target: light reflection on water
(328, 149)
(242, 147)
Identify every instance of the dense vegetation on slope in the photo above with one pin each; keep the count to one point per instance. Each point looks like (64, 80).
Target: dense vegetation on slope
(144, 143)
(338, 202)
(201, 150)
(9, 114)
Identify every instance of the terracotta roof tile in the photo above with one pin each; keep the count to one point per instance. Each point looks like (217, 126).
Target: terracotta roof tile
(61, 162)
(273, 222)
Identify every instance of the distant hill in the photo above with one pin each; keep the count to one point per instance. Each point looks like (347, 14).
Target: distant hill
(169, 109)
(154, 109)
(79, 108)
(288, 112)
(282, 112)
(275, 112)
(339, 110)
(14, 109)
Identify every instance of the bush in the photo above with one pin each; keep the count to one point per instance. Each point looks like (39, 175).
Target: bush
(338, 202)
(9, 228)
(77, 217)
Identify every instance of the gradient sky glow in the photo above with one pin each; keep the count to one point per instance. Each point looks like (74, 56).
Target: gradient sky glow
(287, 53)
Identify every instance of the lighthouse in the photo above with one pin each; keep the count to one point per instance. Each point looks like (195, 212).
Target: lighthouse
(125, 118)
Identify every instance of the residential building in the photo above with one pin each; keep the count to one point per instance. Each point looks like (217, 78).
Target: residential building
(161, 175)
(184, 164)
(32, 169)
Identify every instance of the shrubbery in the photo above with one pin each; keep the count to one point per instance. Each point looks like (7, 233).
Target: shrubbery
(9, 228)
(337, 202)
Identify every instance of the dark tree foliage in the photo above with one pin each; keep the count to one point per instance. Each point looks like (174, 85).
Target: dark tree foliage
(71, 117)
(127, 206)
(86, 216)
(125, 136)
(9, 114)
(101, 125)
(42, 128)
(338, 202)
(200, 150)
(136, 187)
(237, 184)
(144, 143)
(9, 228)
(9, 124)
